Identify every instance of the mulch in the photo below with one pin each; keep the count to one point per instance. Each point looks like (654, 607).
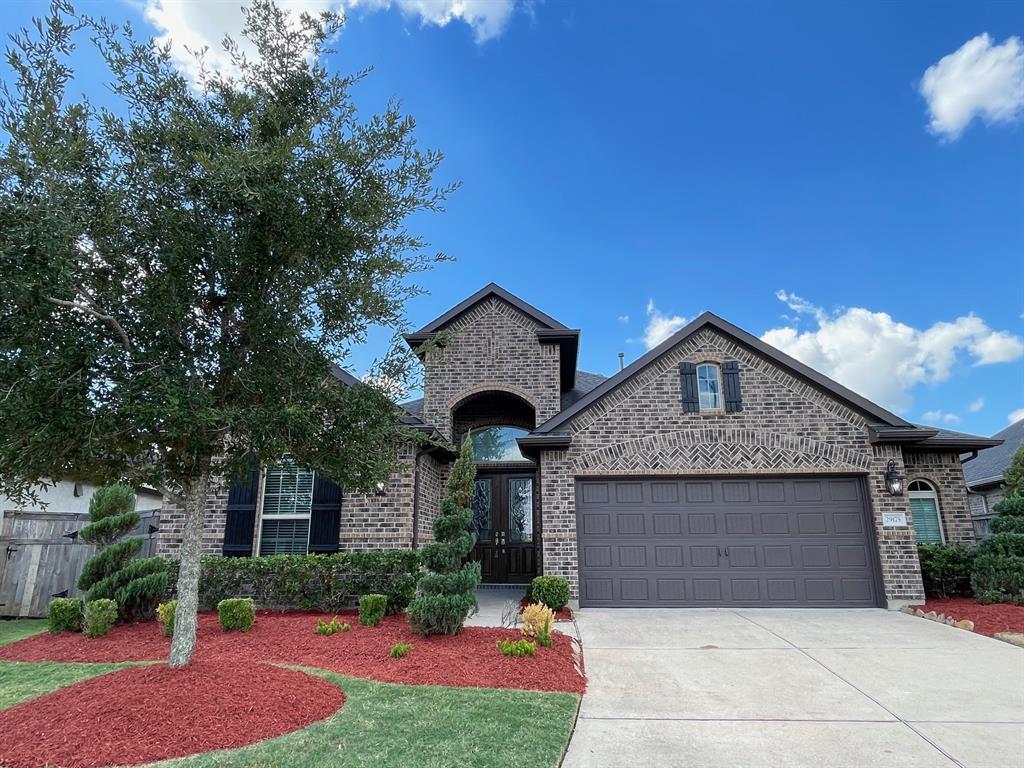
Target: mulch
(562, 614)
(988, 619)
(143, 714)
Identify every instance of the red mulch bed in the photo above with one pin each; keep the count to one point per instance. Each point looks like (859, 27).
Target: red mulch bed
(143, 714)
(469, 659)
(563, 614)
(988, 619)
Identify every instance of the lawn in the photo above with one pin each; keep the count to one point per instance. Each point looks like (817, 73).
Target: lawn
(23, 681)
(12, 630)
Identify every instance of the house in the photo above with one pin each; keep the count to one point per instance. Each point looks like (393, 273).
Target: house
(70, 496)
(984, 476)
(712, 471)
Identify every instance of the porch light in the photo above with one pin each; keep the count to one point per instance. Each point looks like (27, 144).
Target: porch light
(380, 489)
(893, 479)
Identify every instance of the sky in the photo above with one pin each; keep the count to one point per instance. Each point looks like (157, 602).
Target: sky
(844, 180)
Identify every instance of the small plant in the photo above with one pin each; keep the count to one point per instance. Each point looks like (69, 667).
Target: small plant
(165, 612)
(538, 620)
(100, 616)
(553, 591)
(345, 627)
(64, 615)
(371, 609)
(517, 648)
(328, 627)
(398, 650)
(236, 613)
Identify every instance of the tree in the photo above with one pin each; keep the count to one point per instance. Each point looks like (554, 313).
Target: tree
(1013, 477)
(998, 571)
(111, 574)
(446, 595)
(182, 268)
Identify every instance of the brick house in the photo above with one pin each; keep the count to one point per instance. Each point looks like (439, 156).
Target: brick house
(712, 471)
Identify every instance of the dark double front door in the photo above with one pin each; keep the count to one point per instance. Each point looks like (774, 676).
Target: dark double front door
(504, 520)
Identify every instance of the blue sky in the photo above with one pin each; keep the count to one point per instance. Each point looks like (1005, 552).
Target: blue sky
(792, 168)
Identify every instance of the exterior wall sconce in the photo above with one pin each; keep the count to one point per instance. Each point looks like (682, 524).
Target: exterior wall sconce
(381, 489)
(893, 479)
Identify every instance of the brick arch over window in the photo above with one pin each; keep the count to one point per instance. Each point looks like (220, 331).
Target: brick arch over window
(491, 407)
(720, 450)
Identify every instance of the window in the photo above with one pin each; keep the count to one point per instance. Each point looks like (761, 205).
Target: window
(924, 509)
(709, 387)
(287, 503)
(497, 444)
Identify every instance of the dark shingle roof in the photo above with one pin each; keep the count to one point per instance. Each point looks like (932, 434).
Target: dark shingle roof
(990, 464)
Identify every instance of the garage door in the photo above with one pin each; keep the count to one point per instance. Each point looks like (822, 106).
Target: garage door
(772, 542)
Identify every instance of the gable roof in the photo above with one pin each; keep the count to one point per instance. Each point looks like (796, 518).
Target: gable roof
(706, 320)
(989, 467)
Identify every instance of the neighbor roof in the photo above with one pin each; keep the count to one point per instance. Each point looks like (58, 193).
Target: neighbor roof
(990, 466)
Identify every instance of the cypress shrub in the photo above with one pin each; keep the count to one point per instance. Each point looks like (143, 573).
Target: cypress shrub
(998, 572)
(946, 569)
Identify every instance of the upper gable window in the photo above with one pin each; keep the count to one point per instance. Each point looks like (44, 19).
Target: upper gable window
(709, 387)
(497, 444)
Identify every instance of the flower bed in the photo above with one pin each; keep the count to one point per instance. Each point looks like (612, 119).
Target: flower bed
(988, 619)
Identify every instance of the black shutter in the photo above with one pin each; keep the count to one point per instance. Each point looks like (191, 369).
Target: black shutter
(241, 517)
(731, 384)
(325, 516)
(688, 378)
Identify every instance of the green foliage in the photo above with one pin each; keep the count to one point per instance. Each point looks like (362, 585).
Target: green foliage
(371, 609)
(64, 615)
(553, 591)
(445, 596)
(1011, 505)
(236, 613)
(108, 561)
(1013, 477)
(517, 648)
(1005, 523)
(999, 568)
(111, 514)
(165, 613)
(946, 569)
(327, 627)
(398, 650)
(100, 616)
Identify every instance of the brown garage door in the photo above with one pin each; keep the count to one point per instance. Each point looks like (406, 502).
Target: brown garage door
(773, 542)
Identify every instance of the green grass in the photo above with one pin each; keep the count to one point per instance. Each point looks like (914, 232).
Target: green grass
(18, 629)
(416, 726)
(23, 680)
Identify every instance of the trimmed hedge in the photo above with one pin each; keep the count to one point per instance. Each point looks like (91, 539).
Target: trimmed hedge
(553, 591)
(100, 616)
(946, 569)
(64, 615)
(236, 613)
(327, 583)
(372, 609)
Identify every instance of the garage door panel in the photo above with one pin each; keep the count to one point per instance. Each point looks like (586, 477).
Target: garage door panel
(806, 545)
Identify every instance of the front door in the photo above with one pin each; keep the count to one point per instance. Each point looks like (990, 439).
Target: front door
(504, 523)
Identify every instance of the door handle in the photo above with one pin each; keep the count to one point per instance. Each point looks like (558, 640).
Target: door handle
(726, 551)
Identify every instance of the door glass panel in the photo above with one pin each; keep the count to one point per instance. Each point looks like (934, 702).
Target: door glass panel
(481, 506)
(520, 509)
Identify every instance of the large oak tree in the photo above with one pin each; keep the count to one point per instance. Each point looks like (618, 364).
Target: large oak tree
(181, 266)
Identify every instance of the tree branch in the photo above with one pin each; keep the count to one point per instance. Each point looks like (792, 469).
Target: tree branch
(90, 310)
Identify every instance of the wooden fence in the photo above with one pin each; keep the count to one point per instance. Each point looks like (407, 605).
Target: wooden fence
(41, 557)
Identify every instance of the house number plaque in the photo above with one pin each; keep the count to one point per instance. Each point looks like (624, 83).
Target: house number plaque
(894, 519)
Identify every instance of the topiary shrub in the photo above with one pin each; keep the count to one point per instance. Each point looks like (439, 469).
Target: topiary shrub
(100, 616)
(112, 574)
(371, 609)
(998, 567)
(553, 591)
(64, 615)
(446, 595)
(946, 569)
(236, 613)
(165, 613)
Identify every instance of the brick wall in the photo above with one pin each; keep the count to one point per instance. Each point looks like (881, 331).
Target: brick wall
(945, 473)
(786, 426)
(432, 477)
(172, 520)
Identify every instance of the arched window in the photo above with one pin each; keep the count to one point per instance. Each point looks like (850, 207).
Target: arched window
(924, 509)
(491, 444)
(709, 387)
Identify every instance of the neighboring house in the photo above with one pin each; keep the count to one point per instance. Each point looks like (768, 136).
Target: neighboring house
(713, 471)
(73, 496)
(984, 476)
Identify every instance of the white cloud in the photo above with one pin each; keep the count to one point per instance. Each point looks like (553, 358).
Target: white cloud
(977, 405)
(978, 80)
(389, 386)
(882, 359)
(198, 24)
(1016, 416)
(934, 416)
(660, 326)
(623, 319)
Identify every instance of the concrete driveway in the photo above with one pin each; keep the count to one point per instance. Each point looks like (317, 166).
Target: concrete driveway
(792, 688)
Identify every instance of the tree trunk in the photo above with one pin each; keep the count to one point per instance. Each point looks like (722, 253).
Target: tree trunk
(183, 642)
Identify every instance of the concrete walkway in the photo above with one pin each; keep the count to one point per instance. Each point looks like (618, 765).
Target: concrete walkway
(794, 688)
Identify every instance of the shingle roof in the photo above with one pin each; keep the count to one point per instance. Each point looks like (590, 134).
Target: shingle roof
(990, 464)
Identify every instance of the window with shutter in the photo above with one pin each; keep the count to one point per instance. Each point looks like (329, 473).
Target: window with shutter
(709, 387)
(287, 506)
(924, 510)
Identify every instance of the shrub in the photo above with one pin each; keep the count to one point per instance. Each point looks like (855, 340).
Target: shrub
(553, 591)
(998, 570)
(64, 615)
(100, 616)
(165, 612)
(236, 613)
(327, 627)
(371, 609)
(1007, 524)
(538, 621)
(946, 569)
(398, 650)
(446, 595)
(517, 648)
